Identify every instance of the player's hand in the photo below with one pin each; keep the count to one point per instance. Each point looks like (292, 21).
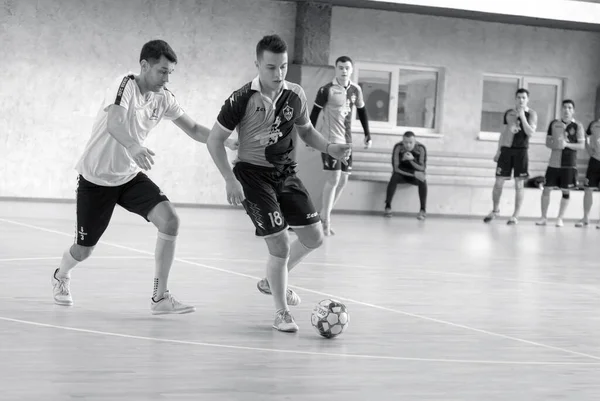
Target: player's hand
(235, 192)
(232, 144)
(408, 156)
(141, 156)
(340, 151)
(497, 157)
(368, 141)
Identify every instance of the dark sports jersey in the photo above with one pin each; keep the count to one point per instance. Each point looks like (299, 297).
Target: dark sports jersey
(572, 132)
(520, 139)
(336, 102)
(406, 167)
(264, 127)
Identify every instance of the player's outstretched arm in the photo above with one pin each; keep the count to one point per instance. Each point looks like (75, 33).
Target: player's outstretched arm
(315, 140)
(199, 132)
(216, 147)
(118, 129)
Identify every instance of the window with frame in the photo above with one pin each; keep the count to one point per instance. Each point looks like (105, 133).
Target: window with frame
(545, 97)
(399, 98)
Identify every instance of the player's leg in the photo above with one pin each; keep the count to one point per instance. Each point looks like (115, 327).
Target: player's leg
(332, 170)
(520, 163)
(143, 197)
(568, 180)
(395, 179)
(94, 208)
(346, 171)
(422, 185)
(592, 181)
(262, 206)
(551, 181)
(504, 168)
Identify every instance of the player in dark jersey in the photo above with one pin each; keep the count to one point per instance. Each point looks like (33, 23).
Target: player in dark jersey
(565, 137)
(592, 175)
(336, 99)
(263, 179)
(512, 155)
(409, 163)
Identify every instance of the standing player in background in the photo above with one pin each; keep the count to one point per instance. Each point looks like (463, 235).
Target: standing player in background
(336, 99)
(264, 179)
(565, 137)
(592, 176)
(512, 155)
(110, 171)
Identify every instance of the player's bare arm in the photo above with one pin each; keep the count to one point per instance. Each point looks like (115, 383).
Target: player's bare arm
(199, 132)
(117, 127)
(529, 127)
(314, 139)
(216, 147)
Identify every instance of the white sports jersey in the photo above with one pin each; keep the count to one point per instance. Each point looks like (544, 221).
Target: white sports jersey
(105, 161)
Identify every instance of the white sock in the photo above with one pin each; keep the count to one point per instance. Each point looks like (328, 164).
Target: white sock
(277, 275)
(298, 252)
(67, 263)
(163, 257)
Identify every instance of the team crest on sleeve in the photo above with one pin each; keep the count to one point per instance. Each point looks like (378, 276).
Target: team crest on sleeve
(288, 112)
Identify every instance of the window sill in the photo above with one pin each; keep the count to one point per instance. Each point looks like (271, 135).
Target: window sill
(538, 139)
(419, 132)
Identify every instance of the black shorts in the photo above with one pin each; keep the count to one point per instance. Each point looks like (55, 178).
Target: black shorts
(331, 164)
(95, 204)
(561, 177)
(274, 199)
(513, 160)
(592, 176)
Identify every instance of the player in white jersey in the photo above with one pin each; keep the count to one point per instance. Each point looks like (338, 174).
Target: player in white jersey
(109, 171)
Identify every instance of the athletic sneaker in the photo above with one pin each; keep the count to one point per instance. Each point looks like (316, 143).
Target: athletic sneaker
(61, 289)
(559, 222)
(285, 322)
(421, 215)
(291, 297)
(168, 304)
(512, 221)
(582, 223)
(387, 212)
(542, 222)
(491, 216)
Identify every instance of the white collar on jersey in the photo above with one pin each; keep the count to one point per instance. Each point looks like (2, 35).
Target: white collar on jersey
(255, 86)
(335, 82)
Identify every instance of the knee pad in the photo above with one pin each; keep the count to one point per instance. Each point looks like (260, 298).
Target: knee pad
(566, 195)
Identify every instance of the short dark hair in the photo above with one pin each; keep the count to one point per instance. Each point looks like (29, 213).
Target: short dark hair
(343, 59)
(409, 134)
(588, 131)
(155, 49)
(522, 90)
(272, 43)
(568, 101)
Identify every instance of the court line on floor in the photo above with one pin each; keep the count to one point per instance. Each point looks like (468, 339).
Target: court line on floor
(383, 308)
(296, 352)
(60, 257)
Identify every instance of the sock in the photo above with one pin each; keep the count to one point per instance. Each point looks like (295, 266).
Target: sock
(519, 195)
(277, 275)
(588, 200)
(163, 257)
(545, 203)
(67, 263)
(298, 252)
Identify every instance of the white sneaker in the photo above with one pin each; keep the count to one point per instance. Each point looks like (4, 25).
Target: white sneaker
(541, 222)
(61, 289)
(559, 223)
(291, 297)
(168, 304)
(285, 322)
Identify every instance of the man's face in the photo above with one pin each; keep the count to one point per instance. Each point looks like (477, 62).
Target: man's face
(522, 100)
(343, 71)
(567, 111)
(156, 75)
(272, 69)
(595, 128)
(409, 142)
